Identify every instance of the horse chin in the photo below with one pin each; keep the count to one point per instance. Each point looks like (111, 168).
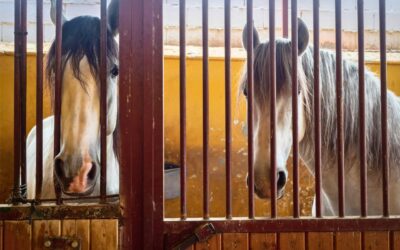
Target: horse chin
(88, 192)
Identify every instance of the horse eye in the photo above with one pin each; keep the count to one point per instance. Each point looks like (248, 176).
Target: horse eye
(245, 91)
(114, 71)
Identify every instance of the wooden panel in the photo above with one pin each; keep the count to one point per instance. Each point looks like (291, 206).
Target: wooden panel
(42, 229)
(348, 240)
(395, 240)
(17, 235)
(78, 228)
(292, 241)
(235, 241)
(320, 241)
(265, 241)
(104, 234)
(376, 240)
(1, 235)
(214, 243)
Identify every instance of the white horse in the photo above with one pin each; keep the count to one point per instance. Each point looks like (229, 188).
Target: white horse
(77, 167)
(328, 126)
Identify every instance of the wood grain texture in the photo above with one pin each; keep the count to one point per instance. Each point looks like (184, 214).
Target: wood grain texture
(263, 241)
(291, 241)
(320, 241)
(348, 240)
(395, 240)
(235, 241)
(79, 229)
(1, 235)
(104, 234)
(42, 229)
(214, 243)
(17, 235)
(376, 240)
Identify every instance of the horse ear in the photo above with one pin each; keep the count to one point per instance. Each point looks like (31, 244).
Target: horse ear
(53, 13)
(303, 36)
(113, 16)
(256, 38)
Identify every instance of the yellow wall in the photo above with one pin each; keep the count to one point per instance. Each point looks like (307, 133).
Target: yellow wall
(194, 108)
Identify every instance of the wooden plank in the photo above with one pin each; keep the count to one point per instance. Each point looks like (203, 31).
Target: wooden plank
(395, 240)
(104, 234)
(79, 229)
(1, 235)
(42, 229)
(235, 241)
(291, 241)
(214, 243)
(320, 241)
(265, 241)
(348, 240)
(376, 240)
(17, 235)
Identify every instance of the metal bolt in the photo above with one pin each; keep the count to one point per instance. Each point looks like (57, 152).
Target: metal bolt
(47, 243)
(74, 244)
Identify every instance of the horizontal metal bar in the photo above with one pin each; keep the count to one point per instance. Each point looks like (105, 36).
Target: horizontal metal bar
(245, 225)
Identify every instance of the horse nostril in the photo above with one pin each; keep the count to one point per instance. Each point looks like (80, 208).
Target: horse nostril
(59, 169)
(92, 173)
(281, 180)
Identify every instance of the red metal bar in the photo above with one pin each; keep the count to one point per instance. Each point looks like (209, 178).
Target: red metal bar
(23, 76)
(361, 106)
(17, 96)
(206, 212)
(295, 88)
(285, 14)
(385, 156)
(39, 99)
(57, 91)
(250, 105)
(317, 113)
(103, 100)
(272, 67)
(182, 103)
(228, 111)
(339, 104)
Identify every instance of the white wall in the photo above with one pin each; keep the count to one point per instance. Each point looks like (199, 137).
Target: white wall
(216, 18)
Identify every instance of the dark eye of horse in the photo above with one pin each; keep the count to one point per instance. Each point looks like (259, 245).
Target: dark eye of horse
(245, 91)
(114, 71)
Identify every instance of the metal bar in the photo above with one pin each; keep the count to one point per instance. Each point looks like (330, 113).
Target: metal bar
(317, 113)
(295, 88)
(361, 106)
(57, 91)
(272, 67)
(250, 105)
(17, 96)
(285, 14)
(103, 100)
(228, 111)
(385, 156)
(23, 76)
(39, 99)
(264, 225)
(206, 212)
(339, 104)
(182, 103)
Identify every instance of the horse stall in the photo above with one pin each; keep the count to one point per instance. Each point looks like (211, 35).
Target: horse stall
(256, 171)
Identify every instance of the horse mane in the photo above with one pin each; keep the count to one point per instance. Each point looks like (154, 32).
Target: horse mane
(351, 113)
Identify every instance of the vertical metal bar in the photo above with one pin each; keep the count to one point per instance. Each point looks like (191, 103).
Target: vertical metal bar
(23, 76)
(17, 100)
(206, 213)
(182, 104)
(317, 112)
(39, 99)
(361, 106)
(339, 104)
(57, 91)
(285, 14)
(272, 68)
(228, 112)
(103, 101)
(250, 105)
(296, 206)
(385, 157)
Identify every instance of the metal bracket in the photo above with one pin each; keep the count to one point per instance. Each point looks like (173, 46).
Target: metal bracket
(62, 243)
(201, 234)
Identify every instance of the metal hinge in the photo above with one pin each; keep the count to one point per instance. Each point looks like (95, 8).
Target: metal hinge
(62, 243)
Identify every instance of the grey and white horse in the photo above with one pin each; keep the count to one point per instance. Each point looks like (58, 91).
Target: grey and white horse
(328, 125)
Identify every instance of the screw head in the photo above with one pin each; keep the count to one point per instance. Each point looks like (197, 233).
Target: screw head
(47, 243)
(74, 244)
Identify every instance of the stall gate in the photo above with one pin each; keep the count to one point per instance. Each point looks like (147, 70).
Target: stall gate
(137, 220)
